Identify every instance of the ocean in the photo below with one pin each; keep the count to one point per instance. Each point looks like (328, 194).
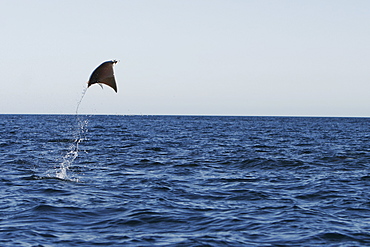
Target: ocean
(78, 180)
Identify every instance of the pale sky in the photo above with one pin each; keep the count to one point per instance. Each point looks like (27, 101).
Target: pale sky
(197, 57)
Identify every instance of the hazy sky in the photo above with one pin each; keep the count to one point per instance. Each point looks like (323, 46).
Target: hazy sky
(211, 57)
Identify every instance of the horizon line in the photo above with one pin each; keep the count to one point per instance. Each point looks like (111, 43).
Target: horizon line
(190, 115)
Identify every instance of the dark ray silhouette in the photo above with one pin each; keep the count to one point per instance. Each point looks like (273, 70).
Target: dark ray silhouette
(104, 74)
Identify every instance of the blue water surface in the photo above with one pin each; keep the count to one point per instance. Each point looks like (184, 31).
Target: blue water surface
(70, 180)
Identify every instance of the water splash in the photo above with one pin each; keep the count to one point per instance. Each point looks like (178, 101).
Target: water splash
(72, 154)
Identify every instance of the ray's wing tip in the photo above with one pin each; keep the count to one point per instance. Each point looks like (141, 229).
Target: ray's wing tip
(114, 61)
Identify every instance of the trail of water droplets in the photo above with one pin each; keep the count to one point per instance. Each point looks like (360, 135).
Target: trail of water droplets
(72, 154)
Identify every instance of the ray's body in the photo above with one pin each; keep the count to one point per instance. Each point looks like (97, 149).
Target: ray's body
(104, 74)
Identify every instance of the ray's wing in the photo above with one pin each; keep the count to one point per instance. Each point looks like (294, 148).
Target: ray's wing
(104, 74)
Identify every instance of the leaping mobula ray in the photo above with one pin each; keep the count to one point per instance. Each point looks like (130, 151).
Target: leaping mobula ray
(104, 74)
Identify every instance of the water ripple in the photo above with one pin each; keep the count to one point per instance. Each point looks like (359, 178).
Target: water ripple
(184, 181)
